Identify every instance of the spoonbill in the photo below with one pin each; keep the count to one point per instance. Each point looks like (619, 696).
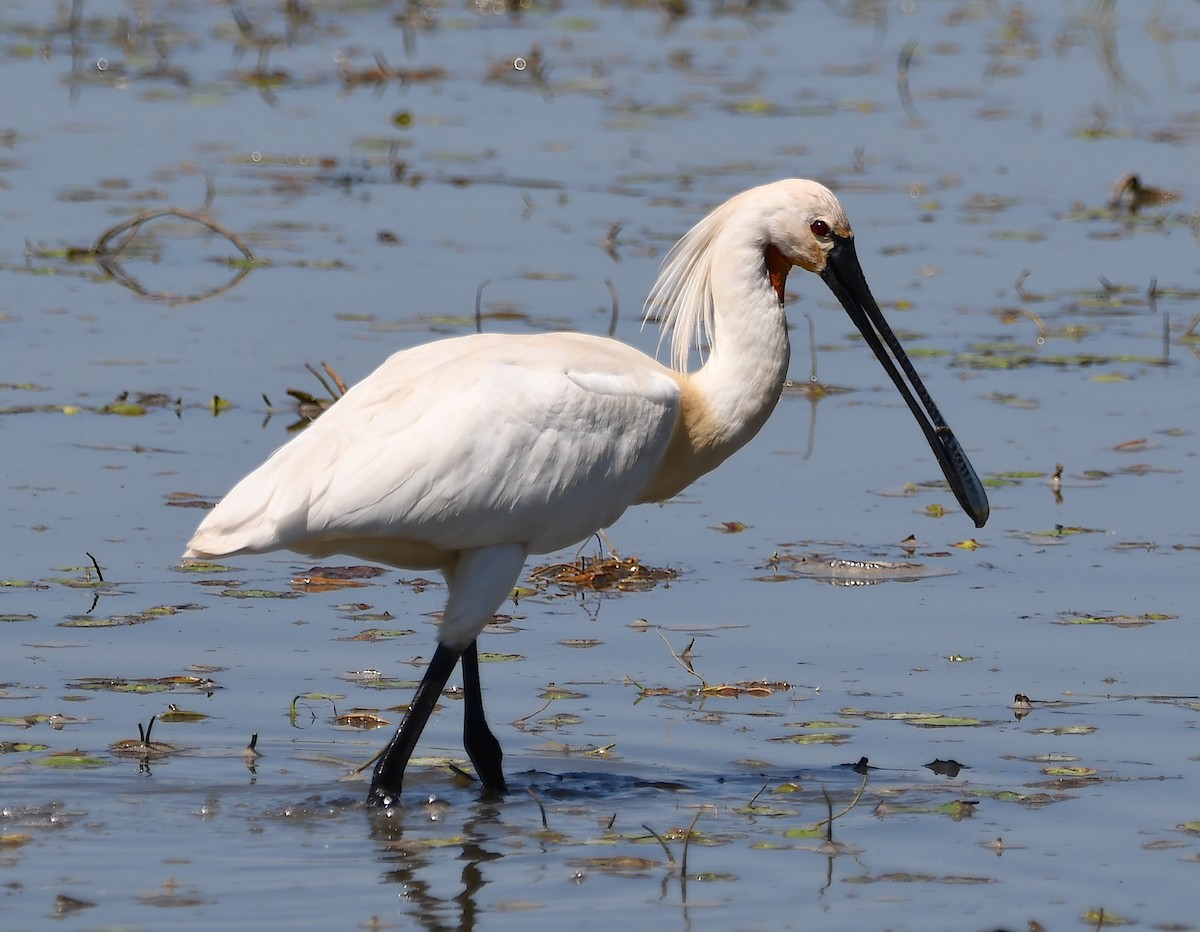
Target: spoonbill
(468, 454)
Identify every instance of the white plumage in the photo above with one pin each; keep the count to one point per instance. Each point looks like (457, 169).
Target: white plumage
(469, 454)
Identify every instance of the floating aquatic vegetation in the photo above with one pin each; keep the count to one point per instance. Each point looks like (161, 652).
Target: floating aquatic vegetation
(70, 760)
(136, 618)
(378, 634)
(625, 574)
(840, 572)
(920, 719)
(1116, 621)
(117, 684)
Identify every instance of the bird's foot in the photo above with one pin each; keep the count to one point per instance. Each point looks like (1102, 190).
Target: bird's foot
(493, 787)
(382, 797)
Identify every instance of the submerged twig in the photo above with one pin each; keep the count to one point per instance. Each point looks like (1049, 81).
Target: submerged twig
(762, 789)
(106, 253)
(687, 840)
(902, 88)
(524, 718)
(541, 808)
(659, 839)
(612, 322)
(99, 574)
(479, 304)
(130, 226)
(610, 242)
(686, 664)
(332, 373)
(370, 763)
(854, 802)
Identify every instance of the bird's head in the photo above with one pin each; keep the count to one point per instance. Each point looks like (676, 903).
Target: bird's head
(803, 223)
(805, 226)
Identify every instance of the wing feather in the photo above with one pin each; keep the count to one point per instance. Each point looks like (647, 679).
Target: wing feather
(480, 440)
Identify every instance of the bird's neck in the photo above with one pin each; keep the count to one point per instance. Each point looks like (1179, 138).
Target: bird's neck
(740, 382)
(726, 401)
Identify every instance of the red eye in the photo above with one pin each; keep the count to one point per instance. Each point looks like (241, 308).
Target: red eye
(819, 228)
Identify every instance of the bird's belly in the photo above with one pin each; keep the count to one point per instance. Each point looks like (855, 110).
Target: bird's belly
(392, 551)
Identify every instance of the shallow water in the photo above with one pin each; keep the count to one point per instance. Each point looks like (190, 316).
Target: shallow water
(1050, 327)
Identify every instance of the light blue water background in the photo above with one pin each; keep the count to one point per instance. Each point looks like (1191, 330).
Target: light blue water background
(974, 146)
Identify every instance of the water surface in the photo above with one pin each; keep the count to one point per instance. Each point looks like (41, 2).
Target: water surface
(974, 146)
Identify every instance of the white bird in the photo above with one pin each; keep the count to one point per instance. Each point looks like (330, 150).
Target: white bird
(468, 454)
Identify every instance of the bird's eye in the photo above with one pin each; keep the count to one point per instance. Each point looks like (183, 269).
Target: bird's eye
(819, 228)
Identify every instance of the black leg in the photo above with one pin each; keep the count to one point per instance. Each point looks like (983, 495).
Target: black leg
(482, 746)
(389, 772)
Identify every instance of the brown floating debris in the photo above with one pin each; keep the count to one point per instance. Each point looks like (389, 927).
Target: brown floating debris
(610, 572)
(1129, 194)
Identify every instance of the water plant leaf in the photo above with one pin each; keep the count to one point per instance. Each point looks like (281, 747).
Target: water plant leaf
(124, 409)
(922, 719)
(22, 747)
(361, 718)
(811, 831)
(623, 864)
(176, 714)
(1100, 918)
(817, 737)
(907, 877)
(184, 683)
(138, 618)
(70, 760)
(957, 809)
(384, 682)
(378, 634)
(201, 566)
(1116, 621)
(257, 594)
(860, 571)
(559, 692)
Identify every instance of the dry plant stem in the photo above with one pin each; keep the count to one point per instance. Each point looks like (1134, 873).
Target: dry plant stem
(337, 379)
(902, 86)
(371, 763)
(479, 304)
(541, 808)
(612, 322)
(812, 350)
(99, 574)
(687, 839)
(523, 719)
(131, 226)
(854, 802)
(459, 772)
(762, 789)
(108, 257)
(659, 839)
(687, 666)
(325, 385)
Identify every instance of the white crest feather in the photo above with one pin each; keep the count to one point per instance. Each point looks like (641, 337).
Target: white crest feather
(682, 299)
